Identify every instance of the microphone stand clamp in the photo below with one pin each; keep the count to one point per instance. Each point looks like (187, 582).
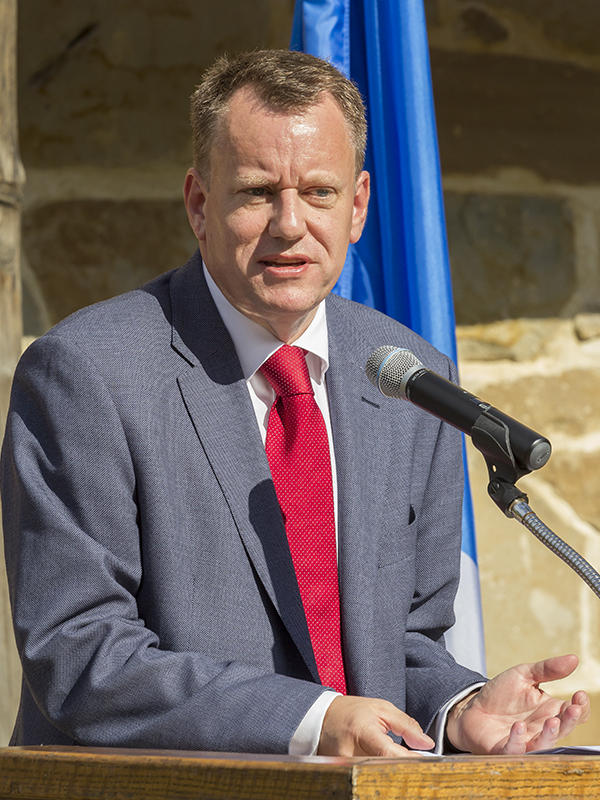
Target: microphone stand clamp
(491, 437)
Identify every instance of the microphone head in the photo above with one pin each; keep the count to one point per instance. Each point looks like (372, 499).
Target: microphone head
(389, 369)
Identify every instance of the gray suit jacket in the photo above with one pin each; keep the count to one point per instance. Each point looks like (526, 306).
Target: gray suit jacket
(154, 597)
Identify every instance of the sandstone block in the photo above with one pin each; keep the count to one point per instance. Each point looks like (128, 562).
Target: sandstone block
(109, 83)
(587, 326)
(566, 403)
(511, 256)
(574, 475)
(86, 251)
(432, 13)
(575, 25)
(514, 339)
(483, 26)
(496, 111)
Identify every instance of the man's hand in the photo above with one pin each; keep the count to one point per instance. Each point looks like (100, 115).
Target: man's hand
(511, 715)
(358, 726)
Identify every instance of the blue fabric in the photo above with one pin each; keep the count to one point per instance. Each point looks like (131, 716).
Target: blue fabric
(400, 265)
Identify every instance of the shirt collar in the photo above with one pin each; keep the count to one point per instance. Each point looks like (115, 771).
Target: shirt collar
(255, 344)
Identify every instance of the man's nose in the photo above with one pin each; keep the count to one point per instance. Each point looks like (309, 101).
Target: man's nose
(288, 216)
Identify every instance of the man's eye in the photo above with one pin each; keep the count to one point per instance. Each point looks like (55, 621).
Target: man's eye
(322, 191)
(257, 191)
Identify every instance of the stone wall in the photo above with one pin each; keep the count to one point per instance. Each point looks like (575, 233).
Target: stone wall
(545, 373)
(103, 88)
(517, 89)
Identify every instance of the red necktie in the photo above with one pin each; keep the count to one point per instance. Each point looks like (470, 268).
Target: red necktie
(298, 452)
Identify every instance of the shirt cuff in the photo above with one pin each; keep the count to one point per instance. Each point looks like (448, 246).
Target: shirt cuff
(438, 728)
(305, 740)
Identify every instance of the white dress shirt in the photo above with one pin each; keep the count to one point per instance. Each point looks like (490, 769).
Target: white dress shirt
(254, 345)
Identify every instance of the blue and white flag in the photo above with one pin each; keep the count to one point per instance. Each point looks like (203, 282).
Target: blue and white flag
(400, 265)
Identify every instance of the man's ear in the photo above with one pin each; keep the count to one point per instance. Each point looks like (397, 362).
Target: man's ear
(194, 195)
(361, 202)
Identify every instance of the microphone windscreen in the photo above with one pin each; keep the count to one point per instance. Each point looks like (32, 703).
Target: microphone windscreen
(388, 368)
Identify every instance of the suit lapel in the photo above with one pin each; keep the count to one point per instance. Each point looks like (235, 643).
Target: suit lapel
(216, 398)
(361, 443)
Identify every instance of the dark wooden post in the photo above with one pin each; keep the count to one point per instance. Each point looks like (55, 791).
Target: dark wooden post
(11, 182)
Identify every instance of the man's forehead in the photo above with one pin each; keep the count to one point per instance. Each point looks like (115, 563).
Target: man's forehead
(245, 129)
(246, 100)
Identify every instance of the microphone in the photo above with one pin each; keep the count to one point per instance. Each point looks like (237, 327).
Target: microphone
(397, 372)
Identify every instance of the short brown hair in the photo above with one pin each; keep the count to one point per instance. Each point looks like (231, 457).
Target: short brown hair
(285, 81)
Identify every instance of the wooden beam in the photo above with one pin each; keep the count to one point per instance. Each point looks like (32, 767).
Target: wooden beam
(11, 183)
(60, 773)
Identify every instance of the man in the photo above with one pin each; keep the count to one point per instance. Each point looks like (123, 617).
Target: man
(156, 598)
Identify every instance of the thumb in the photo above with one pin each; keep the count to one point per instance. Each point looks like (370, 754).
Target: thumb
(411, 732)
(553, 669)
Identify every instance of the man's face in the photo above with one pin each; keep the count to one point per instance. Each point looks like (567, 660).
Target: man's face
(283, 205)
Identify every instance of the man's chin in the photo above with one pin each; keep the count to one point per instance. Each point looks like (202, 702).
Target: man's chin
(282, 319)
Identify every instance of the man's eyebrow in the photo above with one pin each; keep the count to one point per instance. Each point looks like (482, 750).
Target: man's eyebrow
(264, 179)
(324, 178)
(252, 179)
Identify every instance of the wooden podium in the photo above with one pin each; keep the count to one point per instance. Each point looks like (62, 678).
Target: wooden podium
(61, 773)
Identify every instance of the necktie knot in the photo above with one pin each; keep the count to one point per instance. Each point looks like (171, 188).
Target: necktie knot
(287, 372)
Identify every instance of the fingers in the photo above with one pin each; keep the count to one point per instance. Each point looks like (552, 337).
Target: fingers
(572, 714)
(355, 726)
(376, 743)
(553, 669)
(583, 701)
(553, 729)
(410, 730)
(517, 740)
(549, 736)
